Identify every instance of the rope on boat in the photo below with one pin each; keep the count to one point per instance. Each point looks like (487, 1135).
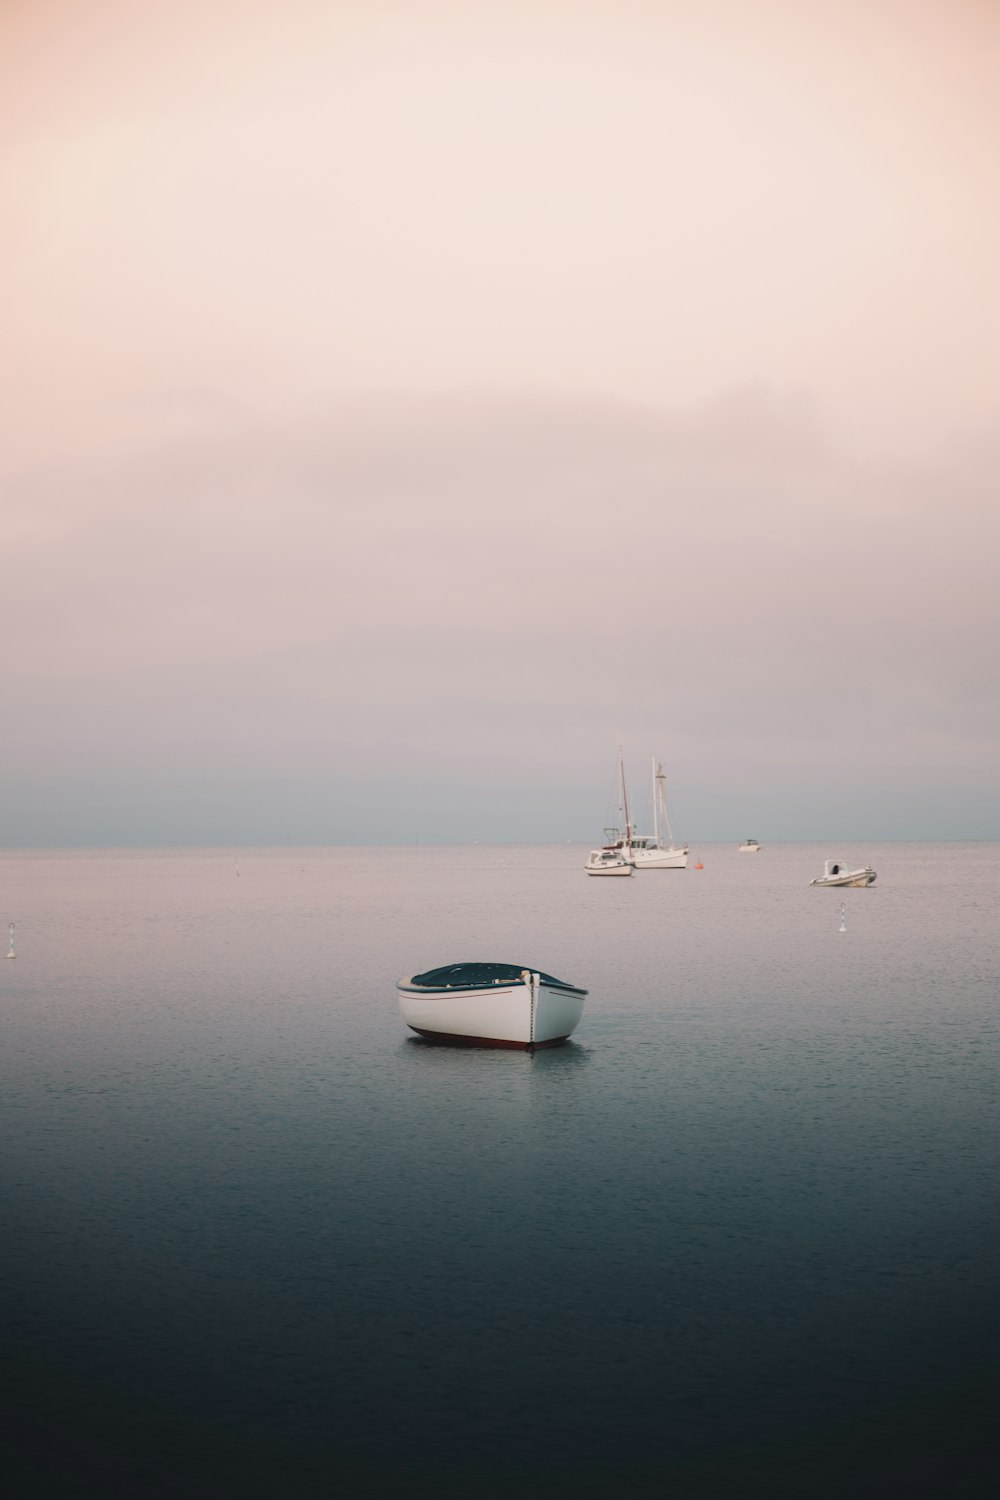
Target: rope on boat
(532, 981)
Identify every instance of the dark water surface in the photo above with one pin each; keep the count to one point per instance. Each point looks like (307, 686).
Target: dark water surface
(740, 1237)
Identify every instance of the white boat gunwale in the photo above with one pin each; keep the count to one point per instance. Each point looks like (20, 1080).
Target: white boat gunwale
(502, 987)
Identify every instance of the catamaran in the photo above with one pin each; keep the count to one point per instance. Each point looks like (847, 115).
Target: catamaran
(651, 853)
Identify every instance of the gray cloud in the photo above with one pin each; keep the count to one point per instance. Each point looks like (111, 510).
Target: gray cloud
(457, 589)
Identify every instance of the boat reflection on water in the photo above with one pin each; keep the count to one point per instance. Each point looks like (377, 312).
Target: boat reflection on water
(568, 1058)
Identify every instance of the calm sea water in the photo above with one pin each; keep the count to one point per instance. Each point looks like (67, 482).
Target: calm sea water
(739, 1237)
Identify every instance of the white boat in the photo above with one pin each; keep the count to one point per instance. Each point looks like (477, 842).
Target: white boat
(651, 853)
(750, 846)
(615, 856)
(835, 874)
(490, 1005)
(608, 861)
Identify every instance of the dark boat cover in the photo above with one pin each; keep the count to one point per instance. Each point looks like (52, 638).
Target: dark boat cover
(475, 976)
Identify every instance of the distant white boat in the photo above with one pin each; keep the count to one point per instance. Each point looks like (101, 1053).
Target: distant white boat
(651, 853)
(750, 846)
(609, 861)
(490, 1005)
(835, 874)
(615, 856)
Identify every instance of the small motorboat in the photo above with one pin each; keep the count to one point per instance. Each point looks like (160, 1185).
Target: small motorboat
(610, 860)
(750, 846)
(834, 873)
(490, 1005)
(615, 855)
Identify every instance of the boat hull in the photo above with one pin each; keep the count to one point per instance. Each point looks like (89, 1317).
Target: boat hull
(516, 1014)
(660, 859)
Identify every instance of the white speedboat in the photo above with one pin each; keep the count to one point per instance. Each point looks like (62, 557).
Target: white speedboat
(609, 861)
(490, 1005)
(835, 874)
(750, 846)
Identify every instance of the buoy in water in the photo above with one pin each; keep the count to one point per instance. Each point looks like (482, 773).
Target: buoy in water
(699, 866)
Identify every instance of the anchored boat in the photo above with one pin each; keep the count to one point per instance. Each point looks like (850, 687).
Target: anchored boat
(615, 856)
(491, 1005)
(651, 853)
(607, 861)
(835, 874)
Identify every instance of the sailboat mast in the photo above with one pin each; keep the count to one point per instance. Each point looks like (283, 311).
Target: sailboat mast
(656, 819)
(628, 828)
(660, 778)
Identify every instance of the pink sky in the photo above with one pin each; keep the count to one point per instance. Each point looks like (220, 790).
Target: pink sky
(352, 350)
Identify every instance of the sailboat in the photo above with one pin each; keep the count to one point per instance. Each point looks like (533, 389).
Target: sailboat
(614, 857)
(650, 852)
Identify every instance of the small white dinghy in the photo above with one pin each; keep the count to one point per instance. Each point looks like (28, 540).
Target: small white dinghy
(490, 1005)
(834, 873)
